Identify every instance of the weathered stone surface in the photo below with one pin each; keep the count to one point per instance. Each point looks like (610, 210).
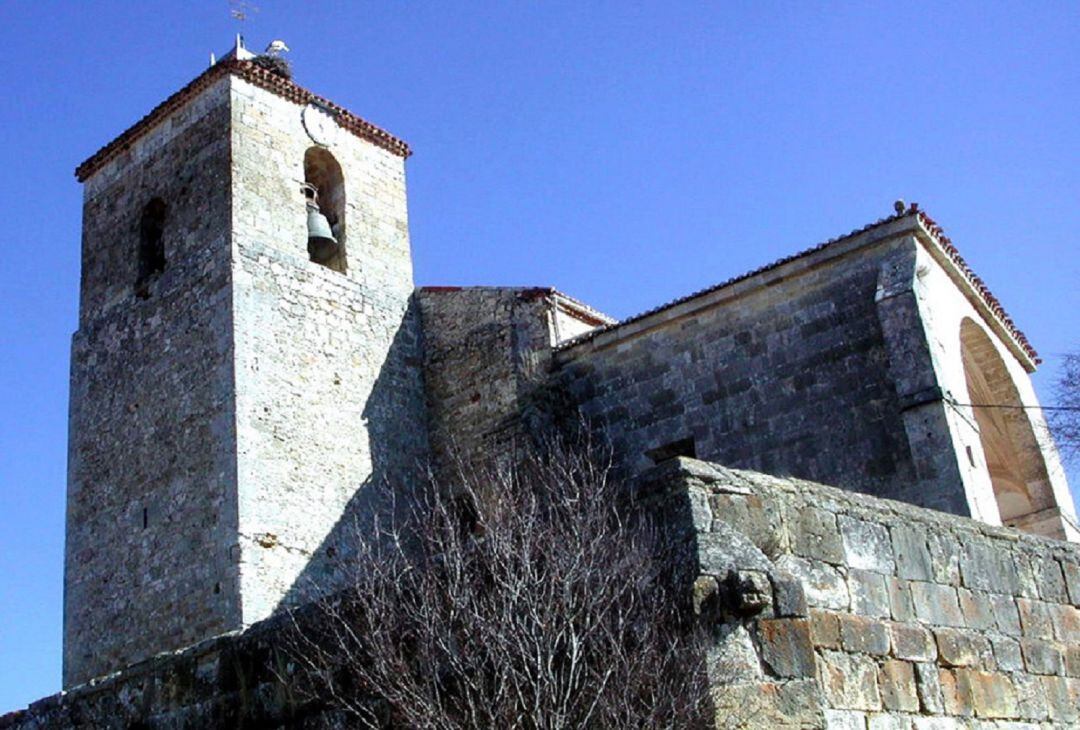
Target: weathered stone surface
(992, 694)
(864, 635)
(1030, 697)
(959, 648)
(734, 660)
(928, 684)
(866, 545)
(1006, 614)
(978, 609)
(936, 604)
(1063, 698)
(897, 682)
(1035, 619)
(956, 693)
(724, 549)
(786, 647)
(1007, 653)
(1042, 657)
(1071, 572)
(984, 568)
(825, 587)
(1049, 580)
(825, 629)
(944, 557)
(793, 704)
(912, 556)
(1065, 621)
(845, 720)
(789, 597)
(901, 606)
(850, 681)
(817, 536)
(912, 642)
(869, 594)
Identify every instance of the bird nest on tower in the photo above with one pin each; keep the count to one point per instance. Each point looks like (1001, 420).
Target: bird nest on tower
(274, 64)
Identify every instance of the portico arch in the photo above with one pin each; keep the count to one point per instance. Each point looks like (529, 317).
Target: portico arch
(1013, 454)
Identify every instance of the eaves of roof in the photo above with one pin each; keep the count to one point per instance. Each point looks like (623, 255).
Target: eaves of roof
(932, 235)
(259, 76)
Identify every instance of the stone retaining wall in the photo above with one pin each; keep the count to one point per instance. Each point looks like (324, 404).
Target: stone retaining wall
(882, 615)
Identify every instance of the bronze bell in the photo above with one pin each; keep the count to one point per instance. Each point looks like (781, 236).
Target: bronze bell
(321, 244)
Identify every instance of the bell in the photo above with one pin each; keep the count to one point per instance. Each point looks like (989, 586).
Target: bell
(321, 244)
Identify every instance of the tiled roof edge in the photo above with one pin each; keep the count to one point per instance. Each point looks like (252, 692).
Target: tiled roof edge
(932, 230)
(257, 75)
(937, 234)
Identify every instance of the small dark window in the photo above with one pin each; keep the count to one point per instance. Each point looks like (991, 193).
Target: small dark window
(145, 518)
(682, 447)
(151, 245)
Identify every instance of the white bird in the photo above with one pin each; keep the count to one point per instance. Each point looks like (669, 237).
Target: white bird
(276, 47)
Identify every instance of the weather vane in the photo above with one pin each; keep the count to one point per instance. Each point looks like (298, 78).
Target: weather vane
(240, 10)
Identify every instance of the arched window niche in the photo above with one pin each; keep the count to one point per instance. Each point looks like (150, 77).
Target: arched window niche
(1012, 449)
(325, 189)
(151, 253)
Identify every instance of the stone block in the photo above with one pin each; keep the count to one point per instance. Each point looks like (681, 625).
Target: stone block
(959, 648)
(1028, 586)
(912, 642)
(734, 660)
(1065, 620)
(911, 554)
(1006, 614)
(815, 535)
(850, 681)
(955, 693)
(1062, 699)
(845, 720)
(944, 557)
(886, 721)
(866, 545)
(1042, 657)
(977, 608)
(761, 522)
(824, 629)
(789, 597)
(825, 587)
(725, 549)
(1072, 661)
(901, 606)
(897, 682)
(928, 684)
(794, 704)
(937, 604)
(1030, 697)
(1035, 619)
(869, 594)
(786, 647)
(1007, 655)
(985, 566)
(864, 635)
(992, 695)
(1049, 580)
(1071, 572)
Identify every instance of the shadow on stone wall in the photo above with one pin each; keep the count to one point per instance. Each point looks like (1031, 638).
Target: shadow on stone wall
(396, 422)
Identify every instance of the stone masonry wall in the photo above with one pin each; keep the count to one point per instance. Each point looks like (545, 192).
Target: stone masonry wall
(150, 522)
(874, 614)
(484, 347)
(790, 376)
(329, 388)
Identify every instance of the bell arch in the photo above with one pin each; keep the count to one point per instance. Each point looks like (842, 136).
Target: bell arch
(325, 189)
(1012, 450)
(151, 252)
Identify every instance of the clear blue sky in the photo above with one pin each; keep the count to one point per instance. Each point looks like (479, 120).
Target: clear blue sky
(626, 156)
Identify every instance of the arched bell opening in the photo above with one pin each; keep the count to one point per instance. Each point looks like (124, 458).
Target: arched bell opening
(151, 252)
(1012, 450)
(324, 192)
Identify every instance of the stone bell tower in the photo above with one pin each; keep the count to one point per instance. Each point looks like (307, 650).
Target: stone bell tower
(236, 384)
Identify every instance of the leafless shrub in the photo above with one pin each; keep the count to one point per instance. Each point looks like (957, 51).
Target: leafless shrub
(1064, 419)
(536, 595)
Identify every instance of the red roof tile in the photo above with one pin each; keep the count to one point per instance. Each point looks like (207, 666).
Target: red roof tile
(254, 74)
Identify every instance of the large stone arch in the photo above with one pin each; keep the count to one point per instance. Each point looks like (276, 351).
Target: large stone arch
(1010, 445)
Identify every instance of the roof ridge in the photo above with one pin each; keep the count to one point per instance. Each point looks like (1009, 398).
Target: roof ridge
(261, 77)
